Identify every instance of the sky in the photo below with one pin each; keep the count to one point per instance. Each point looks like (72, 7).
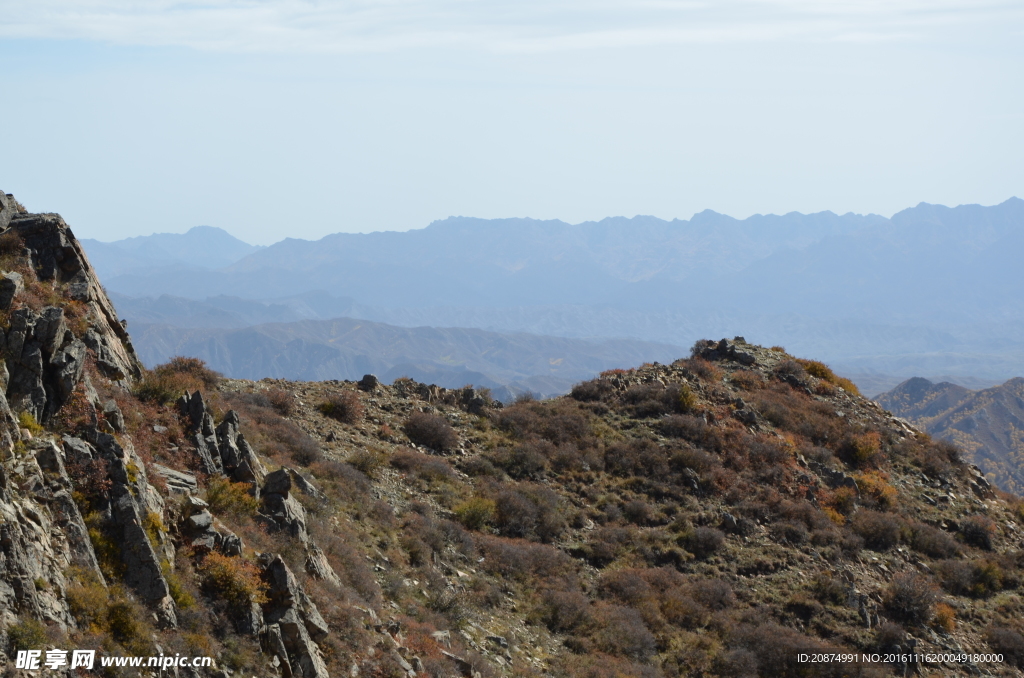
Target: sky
(299, 118)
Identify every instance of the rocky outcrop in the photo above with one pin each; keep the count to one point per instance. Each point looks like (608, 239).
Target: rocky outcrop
(293, 623)
(203, 534)
(279, 509)
(56, 256)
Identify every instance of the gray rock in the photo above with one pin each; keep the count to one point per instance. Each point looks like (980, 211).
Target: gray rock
(369, 382)
(76, 448)
(142, 567)
(114, 417)
(178, 482)
(199, 522)
(284, 513)
(11, 284)
(306, 487)
(318, 566)
(278, 482)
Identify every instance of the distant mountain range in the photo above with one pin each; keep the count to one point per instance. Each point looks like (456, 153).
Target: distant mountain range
(202, 247)
(988, 423)
(313, 350)
(933, 291)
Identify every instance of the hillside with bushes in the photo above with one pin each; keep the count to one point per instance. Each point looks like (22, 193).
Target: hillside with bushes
(717, 516)
(986, 424)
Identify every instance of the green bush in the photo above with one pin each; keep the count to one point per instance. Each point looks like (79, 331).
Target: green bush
(29, 634)
(475, 513)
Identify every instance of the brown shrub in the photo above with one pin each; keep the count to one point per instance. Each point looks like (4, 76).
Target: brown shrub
(693, 429)
(703, 542)
(932, 541)
(517, 559)
(527, 459)
(636, 457)
(167, 382)
(621, 632)
(1008, 643)
(975, 578)
(421, 465)
(431, 431)
(910, 599)
(565, 611)
(978, 530)
(714, 594)
(591, 391)
(880, 531)
(531, 512)
(345, 407)
(233, 579)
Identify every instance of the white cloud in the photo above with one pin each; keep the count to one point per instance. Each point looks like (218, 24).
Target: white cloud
(328, 26)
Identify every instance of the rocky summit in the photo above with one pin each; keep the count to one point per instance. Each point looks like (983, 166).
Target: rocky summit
(737, 513)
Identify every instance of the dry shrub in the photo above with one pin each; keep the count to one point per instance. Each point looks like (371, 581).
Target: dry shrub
(772, 651)
(345, 407)
(824, 372)
(421, 465)
(975, 578)
(233, 579)
(431, 431)
(880, 531)
(945, 618)
(591, 391)
(637, 457)
(703, 542)
(862, 450)
(693, 429)
(656, 399)
(910, 598)
(1008, 643)
(532, 512)
(475, 513)
(790, 532)
(281, 401)
(167, 382)
(608, 543)
(829, 589)
(561, 421)
(621, 632)
(565, 611)
(702, 369)
(793, 410)
(978, 531)
(228, 498)
(527, 459)
(875, 490)
(748, 380)
(517, 559)
(932, 541)
(367, 461)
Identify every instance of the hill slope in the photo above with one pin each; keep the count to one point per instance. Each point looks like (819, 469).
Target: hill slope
(987, 423)
(719, 516)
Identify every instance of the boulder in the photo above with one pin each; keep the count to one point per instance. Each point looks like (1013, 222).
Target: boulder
(278, 482)
(178, 482)
(318, 566)
(11, 284)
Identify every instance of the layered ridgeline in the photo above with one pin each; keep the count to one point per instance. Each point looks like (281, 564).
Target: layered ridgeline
(930, 291)
(718, 516)
(987, 423)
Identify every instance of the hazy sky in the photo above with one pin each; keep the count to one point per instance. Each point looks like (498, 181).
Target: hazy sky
(297, 118)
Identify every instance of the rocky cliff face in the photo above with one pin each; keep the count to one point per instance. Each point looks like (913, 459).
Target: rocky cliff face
(718, 516)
